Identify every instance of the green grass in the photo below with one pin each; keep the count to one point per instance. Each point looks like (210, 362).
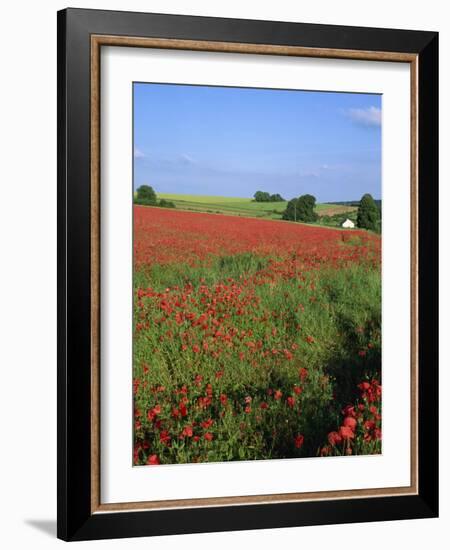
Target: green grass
(227, 205)
(238, 206)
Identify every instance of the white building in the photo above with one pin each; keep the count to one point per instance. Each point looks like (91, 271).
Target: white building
(348, 224)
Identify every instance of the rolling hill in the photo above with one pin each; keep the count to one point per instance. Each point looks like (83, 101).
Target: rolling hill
(238, 206)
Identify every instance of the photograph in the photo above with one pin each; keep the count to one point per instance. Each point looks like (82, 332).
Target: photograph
(257, 277)
(247, 262)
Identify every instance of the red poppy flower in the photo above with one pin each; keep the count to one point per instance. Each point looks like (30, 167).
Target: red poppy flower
(164, 437)
(153, 460)
(298, 441)
(208, 436)
(207, 423)
(278, 394)
(303, 373)
(349, 410)
(153, 413)
(187, 431)
(334, 438)
(290, 401)
(350, 422)
(346, 433)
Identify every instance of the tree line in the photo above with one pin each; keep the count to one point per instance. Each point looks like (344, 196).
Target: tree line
(264, 196)
(302, 209)
(145, 195)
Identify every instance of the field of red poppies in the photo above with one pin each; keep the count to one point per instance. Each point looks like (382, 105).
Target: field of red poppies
(253, 339)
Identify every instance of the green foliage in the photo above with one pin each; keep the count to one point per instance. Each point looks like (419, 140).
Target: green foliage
(336, 220)
(166, 204)
(368, 214)
(276, 198)
(146, 195)
(301, 209)
(291, 210)
(263, 196)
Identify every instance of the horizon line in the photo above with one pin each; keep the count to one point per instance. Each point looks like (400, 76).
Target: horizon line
(252, 198)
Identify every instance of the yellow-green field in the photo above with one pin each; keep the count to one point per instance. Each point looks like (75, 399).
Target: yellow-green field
(243, 206)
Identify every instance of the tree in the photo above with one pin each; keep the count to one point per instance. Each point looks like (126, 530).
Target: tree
(276, 198)
(301, 209)
(166, 204)
(368, 214)
(145, 195)
(262, 196)
(291, 211)
(305, 208)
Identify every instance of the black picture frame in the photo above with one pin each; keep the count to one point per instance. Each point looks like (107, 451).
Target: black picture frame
(75, 518)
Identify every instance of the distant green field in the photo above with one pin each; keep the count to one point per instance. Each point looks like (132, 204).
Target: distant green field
(226, 205)
(241, 206)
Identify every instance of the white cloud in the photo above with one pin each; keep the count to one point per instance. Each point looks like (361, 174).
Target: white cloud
(371, 116)
(138, 154)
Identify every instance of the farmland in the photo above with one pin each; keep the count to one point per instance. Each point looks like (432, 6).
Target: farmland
(243, 206)
(253, 339)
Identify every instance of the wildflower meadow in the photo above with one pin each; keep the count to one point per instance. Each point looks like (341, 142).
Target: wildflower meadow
(253, 339)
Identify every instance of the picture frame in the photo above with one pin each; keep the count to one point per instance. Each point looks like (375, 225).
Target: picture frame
(81, 36)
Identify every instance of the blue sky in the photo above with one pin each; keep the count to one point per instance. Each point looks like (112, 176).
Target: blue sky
(234, 141)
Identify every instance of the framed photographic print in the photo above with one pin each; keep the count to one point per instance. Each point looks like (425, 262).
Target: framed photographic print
(247, 252)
